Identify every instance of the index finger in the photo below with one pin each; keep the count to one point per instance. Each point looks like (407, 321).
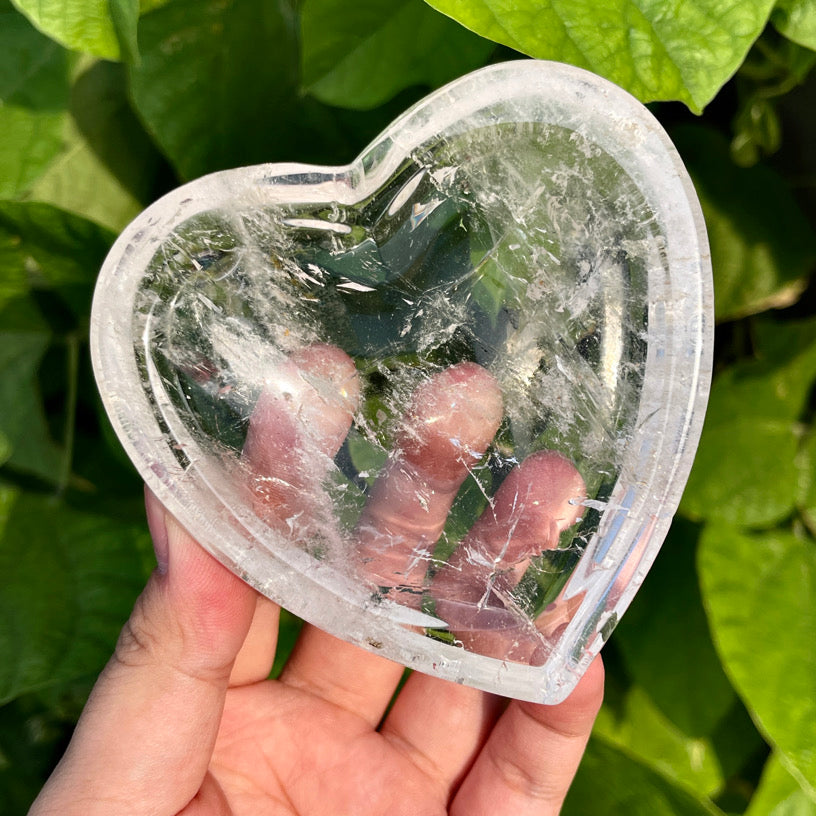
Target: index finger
(299, 423)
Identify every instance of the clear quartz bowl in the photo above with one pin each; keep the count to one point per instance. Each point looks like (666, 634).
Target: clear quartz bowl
(530, 224)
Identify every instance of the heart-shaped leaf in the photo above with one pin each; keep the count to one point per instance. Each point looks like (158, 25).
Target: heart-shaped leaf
(685, 53)
(746, 471)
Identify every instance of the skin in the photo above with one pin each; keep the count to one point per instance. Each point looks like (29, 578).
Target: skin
(184, 720)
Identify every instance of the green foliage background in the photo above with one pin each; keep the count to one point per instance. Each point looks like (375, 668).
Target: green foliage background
(105, 104)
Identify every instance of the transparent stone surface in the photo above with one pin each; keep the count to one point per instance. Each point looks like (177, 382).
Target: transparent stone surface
(442, 401)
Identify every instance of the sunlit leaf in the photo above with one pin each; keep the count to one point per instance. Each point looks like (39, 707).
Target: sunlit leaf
(685, 53)
(745, 471)
(642, 729)
(357, 55)
(779, 794)
(33, 101)
(760, 593)
(611, 782)
(83, 25)
(796, 19)
(107, 166)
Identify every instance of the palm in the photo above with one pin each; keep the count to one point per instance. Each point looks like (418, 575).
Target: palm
(282, 750)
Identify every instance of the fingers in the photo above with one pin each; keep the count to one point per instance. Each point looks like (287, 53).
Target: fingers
(452, 419)
(254, 661)
(296, 428)
(147, 732)
(441, 727)
(342, 674)
(536, 502)
(532, 754)
(473, 591)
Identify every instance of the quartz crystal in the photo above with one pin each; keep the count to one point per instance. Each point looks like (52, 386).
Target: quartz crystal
(440, 402)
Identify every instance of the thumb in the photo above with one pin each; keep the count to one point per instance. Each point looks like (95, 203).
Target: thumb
(146, 736)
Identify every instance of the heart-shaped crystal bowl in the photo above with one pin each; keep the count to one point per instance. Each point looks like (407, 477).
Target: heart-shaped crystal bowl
(440, 402)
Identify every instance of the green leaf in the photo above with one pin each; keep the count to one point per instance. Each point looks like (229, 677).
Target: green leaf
(775, 384)
(610, 782)
(69, 581)
(671, 656)
(773, 68)
(745, 471)
(107, 168)
(757, 130)
(33, 101)
(34, 730)
(640, 727)
(796, 19)
(43, 247)
(779, 794)
(760, 594)
(806, 499)
(42, 250)
(739, 748)
(686, 52)
(762, 247)
(5, 448)
(24, 338)
(357, 55)
(779, 382)
(217, 83)
(81, 25)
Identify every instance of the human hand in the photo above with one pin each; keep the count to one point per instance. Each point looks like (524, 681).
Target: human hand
(184, 720)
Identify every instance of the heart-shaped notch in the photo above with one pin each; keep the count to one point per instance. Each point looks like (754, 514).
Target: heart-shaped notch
(440, 402)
